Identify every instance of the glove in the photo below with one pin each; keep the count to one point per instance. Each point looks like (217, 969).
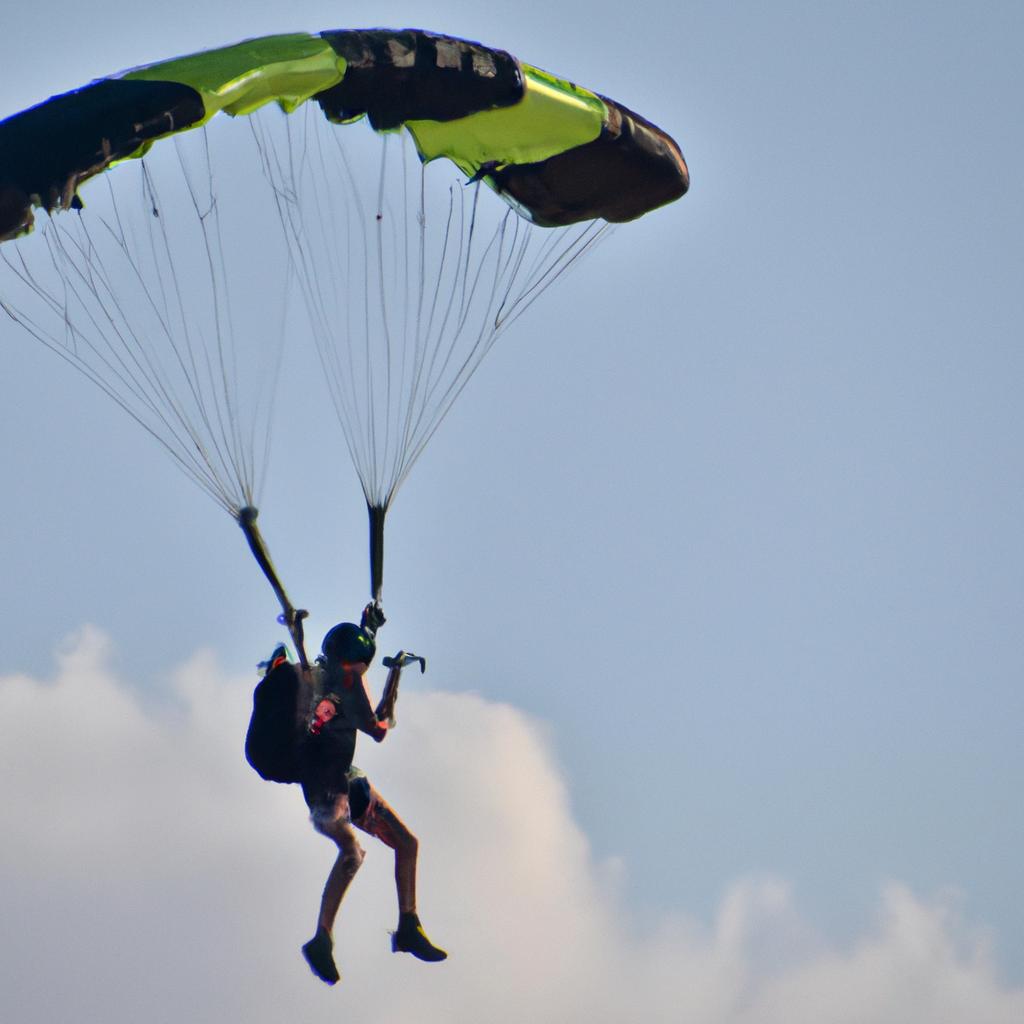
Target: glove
(373, 618)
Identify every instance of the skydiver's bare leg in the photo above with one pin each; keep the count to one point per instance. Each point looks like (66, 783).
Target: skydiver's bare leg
(333, 823)
(381, 821)
(350, 857)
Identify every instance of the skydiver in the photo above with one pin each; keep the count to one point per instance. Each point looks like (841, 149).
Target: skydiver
(339, 795)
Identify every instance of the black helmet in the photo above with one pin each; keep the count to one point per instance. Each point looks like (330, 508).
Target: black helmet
(348, 642)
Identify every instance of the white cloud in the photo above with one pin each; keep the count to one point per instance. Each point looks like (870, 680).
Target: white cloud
(147, 874)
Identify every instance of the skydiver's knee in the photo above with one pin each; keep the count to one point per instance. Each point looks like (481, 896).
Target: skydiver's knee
(352, 858)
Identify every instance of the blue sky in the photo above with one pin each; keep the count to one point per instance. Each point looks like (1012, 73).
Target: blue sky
(724, 540)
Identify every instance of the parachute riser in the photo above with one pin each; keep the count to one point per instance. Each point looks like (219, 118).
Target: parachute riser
(377, 514)
(291, 616)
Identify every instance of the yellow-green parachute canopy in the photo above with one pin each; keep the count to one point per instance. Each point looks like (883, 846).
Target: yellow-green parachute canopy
(173, 290)
(560, 153)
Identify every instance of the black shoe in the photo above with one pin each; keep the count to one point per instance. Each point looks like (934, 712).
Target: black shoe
(318, 954)
(410, 938)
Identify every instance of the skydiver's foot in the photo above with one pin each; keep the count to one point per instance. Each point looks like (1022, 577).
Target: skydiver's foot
(410, 938)
(319, 955)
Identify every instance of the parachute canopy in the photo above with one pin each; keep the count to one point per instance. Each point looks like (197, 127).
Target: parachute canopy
(561, 153)
(161, 291)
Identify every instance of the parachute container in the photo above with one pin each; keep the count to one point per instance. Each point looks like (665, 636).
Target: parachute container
(280, 706)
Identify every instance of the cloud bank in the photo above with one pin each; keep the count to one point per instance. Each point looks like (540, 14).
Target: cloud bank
(147, 874)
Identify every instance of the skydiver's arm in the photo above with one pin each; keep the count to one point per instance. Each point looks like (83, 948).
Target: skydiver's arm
(385, 711)
(379, 729)
(386, 708)
(359, 710)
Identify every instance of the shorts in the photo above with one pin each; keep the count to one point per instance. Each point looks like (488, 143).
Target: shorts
(364, 803)
(329, 808)
(361, 805)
